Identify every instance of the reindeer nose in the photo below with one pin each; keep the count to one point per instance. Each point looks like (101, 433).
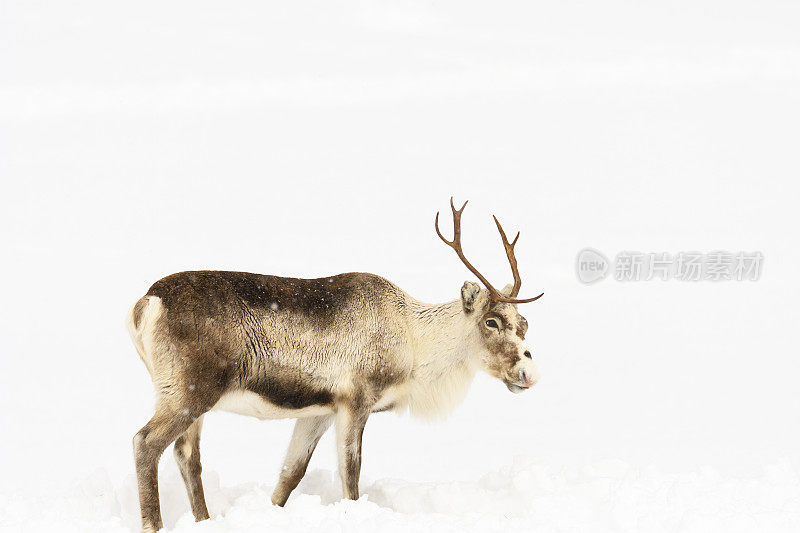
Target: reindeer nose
(527, 381)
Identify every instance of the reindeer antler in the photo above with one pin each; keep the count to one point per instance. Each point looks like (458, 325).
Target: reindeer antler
(455, 244)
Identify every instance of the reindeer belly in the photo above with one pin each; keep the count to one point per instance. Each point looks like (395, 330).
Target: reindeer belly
(251, 404)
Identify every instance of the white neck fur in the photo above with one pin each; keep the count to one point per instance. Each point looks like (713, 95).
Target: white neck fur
(445, 348)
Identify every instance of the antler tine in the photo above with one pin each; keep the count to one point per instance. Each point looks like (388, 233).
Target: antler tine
(455, 244)
(518, 301)
(439, 233)
(512, 259)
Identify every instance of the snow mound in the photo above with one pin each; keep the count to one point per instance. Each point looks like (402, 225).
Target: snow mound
(525, 496)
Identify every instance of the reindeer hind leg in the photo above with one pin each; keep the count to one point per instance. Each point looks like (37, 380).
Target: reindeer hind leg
(187, 455)
(174, 418)
(148, 445)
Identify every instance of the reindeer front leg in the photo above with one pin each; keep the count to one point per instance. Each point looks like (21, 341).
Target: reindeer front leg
(350, 422)
(307, 432)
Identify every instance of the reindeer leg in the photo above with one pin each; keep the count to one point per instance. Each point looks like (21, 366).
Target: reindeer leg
(307, 432)
(148, 445)
(350, 424)
(187, 455)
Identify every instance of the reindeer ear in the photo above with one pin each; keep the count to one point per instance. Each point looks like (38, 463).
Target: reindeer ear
(507, 290)
(470, 292)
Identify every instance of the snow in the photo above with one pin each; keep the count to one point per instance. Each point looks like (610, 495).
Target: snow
(308, 139)
(524, 496)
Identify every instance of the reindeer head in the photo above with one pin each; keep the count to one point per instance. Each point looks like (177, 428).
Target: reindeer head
(500, 328)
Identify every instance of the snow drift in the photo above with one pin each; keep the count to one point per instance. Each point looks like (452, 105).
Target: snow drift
(524, 496)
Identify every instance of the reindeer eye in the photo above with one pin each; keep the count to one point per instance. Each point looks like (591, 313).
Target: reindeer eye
(492, 324)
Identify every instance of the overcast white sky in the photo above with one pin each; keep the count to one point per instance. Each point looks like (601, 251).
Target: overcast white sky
(306, 139)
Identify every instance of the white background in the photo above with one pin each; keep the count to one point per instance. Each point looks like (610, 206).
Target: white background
(306, 139)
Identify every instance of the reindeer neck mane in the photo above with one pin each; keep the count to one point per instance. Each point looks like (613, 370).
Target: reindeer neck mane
(444, 365)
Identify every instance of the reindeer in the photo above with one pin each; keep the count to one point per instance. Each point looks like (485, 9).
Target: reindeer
(324, 351)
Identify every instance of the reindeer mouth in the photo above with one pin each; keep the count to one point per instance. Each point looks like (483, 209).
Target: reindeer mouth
(513, 387)
(526, 381)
